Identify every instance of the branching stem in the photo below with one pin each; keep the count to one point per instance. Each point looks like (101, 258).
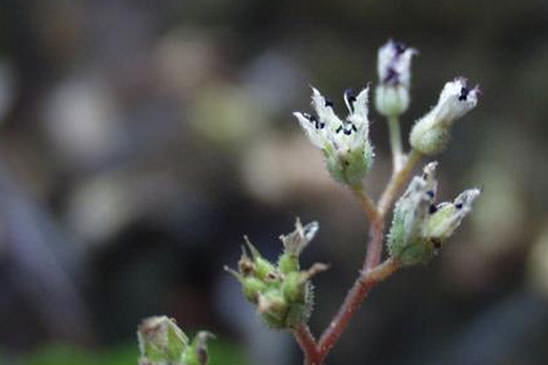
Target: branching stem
(372, 271)
(355, 297)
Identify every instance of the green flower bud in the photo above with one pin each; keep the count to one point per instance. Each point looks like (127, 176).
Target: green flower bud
(430, 134)
(273, 307)
(294, 243)
(262, 268)
(345, 144)
(282, 294)
(196, 353)
(161, 341)
(419, 227)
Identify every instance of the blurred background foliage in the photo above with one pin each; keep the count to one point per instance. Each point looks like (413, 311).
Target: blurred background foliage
(139, 140)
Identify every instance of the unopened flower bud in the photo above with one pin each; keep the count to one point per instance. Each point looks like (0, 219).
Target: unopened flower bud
(394, 69)
(294, 243)
(430, 134)
(161, 341)
(419, 228)
(345, 143)
(196, 353)
(273, 307)
(262, 268)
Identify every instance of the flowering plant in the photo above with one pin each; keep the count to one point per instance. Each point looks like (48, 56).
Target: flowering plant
(282, 291)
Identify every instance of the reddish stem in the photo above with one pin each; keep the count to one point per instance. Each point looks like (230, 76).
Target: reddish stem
(308, 344)
(372, 271)
(355, 297)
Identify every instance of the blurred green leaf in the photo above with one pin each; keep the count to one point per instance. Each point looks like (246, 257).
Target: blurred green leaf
(221, 352)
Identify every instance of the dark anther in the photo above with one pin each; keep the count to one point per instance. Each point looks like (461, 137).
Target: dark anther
(354, 127)
(348, 132)
(339, 129)
(392, 77)
(464, 93)
(430, 193)
(433, 209)
(328, 103)
(399, 47)
(458, 205)
(320, 125)
(311, 118)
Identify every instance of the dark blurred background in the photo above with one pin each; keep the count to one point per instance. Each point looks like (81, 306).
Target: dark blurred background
(139, 141)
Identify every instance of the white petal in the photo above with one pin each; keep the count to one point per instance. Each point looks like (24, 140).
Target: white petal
(456, 99)
(316, 136)
(394, 63)
(324, 111)
(360, 109)
(465, 200)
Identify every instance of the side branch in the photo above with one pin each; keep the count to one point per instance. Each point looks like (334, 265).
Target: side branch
(354, 298)
(306, 341)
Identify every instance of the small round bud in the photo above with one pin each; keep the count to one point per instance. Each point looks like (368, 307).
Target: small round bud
(391, 101)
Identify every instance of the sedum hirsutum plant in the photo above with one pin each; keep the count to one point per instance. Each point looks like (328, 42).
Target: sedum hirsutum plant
(282, 291)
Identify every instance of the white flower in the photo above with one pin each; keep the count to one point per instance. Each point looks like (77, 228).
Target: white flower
(419, 227)
(345, 143)
(447, 216)
(394, 69)
(394, 64)
(430, 134)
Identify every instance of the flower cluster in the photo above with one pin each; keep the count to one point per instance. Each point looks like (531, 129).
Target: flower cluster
(420, 227)
(282, 293)
(345, 143)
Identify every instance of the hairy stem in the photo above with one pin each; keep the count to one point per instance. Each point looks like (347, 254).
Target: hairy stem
(395, 142)
(355, 297)
(307, 342)
(372, 272)
(368, 205)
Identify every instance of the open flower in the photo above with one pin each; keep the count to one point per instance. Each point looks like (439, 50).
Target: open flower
(345, 143)
(419, 227)
(394, 69)
(430, 134)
